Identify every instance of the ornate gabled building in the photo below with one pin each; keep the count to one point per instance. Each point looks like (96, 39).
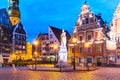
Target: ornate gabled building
(13, 39)
(19, 43)
(5, 36)
(19, 37)
(54, 37)
(43, 45)
(91, 34)
(115, 32)
(48, 42)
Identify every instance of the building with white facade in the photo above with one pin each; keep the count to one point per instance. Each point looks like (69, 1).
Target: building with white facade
(49, 43)
(115, 32)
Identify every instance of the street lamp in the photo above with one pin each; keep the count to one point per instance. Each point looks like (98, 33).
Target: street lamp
(74, 42)
(86, 46)
(55, 48)
(35, 43)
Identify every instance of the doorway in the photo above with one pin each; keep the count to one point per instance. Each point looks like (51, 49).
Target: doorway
(99, 61)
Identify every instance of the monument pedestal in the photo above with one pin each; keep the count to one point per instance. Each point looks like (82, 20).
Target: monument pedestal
(63, 54)
(63, 58)
(62, 64)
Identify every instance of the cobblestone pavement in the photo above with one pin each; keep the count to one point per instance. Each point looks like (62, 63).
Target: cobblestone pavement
(23, 73)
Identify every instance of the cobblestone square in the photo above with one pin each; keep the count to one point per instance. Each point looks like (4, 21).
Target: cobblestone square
(103, 73)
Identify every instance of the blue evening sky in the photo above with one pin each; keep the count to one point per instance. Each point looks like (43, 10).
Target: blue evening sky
(36, 15)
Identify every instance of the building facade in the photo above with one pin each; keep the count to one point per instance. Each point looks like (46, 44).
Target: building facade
(49, 43)
(5, 36)
(43, 46)
(115, 32)
(13, 39)
(19, 37)
(91, 35)
(19, 43)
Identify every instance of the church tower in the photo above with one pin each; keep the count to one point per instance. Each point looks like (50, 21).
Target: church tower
(14, 11)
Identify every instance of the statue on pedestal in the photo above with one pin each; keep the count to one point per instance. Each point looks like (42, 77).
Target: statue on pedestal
(63, 38)
(63, 54)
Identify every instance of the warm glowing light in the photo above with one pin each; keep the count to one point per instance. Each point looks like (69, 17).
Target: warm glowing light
(86, 45)
(55, 46)
(36, 42)
(35, 53)
(30, 56)
(74, 40)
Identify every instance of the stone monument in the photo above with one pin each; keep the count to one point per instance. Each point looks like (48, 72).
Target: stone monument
(63, 54)
(63, 48)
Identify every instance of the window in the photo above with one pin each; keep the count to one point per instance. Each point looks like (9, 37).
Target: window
(73, 50)
(81, 60)
(89, 60)
(89, 37)
(23, 47)
(81, 50)
(5, 38)
(51, 36)
(99, 47)
(90, 50)
(91, 20)
(87, 20)
(80, 38)
(20, 46)
(16, 46)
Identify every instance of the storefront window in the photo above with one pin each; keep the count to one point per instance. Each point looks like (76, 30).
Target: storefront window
(89, 60)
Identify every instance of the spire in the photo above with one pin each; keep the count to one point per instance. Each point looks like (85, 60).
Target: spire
(14, 11)
(13, 2)
(85, 8)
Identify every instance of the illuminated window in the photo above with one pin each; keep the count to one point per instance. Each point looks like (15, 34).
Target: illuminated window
(23, 47)
(99, 47)
(5, 38)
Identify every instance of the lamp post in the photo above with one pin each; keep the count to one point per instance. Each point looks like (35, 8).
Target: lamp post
(35, 43)
(86, 46)
(74, 42)
(55, 48)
